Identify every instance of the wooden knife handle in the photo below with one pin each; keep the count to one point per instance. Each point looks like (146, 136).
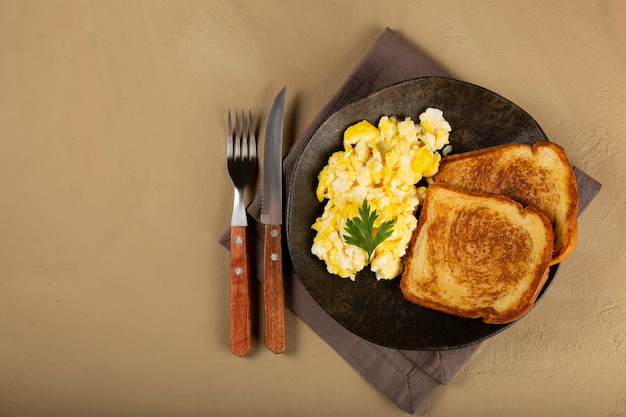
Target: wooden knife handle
(273, 290)
(240, 311)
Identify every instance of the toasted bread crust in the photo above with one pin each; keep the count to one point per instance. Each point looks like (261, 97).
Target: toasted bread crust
(477, 255)
(539, 175)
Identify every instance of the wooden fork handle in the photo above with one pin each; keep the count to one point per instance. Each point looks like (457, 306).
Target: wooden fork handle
(273, 290)
(240, 311)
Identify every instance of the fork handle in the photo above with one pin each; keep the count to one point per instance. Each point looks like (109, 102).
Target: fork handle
(273, 291)
(240, 311)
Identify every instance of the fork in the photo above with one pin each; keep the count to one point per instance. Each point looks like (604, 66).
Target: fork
(241, 155)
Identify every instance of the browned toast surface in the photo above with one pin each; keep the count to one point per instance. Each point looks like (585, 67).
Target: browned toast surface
(539, 175)
(477, 255)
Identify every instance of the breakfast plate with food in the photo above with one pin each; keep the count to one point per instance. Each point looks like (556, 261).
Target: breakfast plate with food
(431, 214)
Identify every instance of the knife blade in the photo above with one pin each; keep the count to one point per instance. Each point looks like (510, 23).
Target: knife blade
(272, 218)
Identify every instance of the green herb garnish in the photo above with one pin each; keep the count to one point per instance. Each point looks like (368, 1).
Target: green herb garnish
(360, 230)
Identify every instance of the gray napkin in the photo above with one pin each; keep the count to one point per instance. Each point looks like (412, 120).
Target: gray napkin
(406, 377)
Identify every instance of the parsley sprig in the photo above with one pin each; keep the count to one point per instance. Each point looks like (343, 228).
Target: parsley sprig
(360, 230)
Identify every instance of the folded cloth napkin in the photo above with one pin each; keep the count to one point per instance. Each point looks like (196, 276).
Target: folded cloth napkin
(406, 377)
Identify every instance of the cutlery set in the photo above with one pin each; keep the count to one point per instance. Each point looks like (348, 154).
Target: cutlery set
(241, 158)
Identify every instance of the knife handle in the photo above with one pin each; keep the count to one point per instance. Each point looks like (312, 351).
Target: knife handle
(240, 311)
(273, 290)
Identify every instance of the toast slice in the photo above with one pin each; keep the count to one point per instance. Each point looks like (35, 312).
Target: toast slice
(477, 255)
(539, 175)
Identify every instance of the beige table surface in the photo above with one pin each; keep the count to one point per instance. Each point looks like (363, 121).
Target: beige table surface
(113, 287)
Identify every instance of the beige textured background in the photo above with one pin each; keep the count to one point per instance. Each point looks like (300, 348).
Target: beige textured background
(114, 191)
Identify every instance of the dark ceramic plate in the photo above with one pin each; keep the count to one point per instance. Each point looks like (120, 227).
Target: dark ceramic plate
(376, 310)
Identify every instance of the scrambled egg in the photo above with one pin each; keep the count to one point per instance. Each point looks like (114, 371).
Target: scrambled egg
(380, 165)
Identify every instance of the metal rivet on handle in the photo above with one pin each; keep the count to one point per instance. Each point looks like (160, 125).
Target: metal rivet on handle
(238, 270)
(273, 233)
(274, 256)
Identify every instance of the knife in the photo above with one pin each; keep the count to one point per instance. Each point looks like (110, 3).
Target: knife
(272, 218)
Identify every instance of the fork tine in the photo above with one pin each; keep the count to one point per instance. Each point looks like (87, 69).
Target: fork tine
(244, 137)
(252, 137)
(229, 138)
(237, 136)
